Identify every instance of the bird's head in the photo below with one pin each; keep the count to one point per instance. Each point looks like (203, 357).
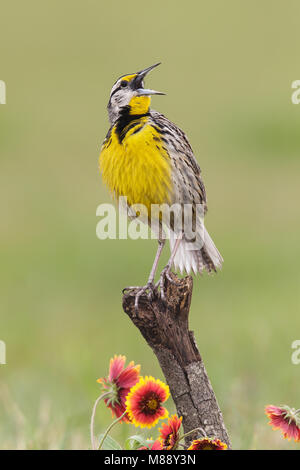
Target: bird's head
(129, 95)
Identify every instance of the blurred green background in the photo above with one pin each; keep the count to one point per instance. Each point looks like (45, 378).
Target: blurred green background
(227, 69)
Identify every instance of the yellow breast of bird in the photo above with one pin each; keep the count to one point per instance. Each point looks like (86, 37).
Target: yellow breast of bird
(135, 163)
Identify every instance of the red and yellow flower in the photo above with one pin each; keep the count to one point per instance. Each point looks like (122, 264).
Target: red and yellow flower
(207, 444)
(118, 383)
(169, 433)
(144, 402)
(286, 419)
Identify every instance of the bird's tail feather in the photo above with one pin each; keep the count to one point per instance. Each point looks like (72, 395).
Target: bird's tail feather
(196, 260)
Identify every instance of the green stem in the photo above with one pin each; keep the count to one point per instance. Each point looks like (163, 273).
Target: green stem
(93, 417)
(109, 428)
(186, 435)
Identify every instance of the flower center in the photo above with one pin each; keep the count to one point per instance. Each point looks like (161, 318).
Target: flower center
(152, 404)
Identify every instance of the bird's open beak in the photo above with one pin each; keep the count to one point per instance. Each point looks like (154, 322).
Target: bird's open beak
(147, 92)
(138, 82)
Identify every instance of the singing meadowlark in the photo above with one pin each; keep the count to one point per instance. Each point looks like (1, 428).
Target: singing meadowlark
(148, 160)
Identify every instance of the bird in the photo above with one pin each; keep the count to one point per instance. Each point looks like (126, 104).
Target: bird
(148, 160)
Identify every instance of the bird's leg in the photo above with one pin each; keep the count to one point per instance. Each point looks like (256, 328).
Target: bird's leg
(161, 244)
(149, 287)
(166, 271)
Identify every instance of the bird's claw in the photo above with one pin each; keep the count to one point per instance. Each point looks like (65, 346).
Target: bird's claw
(165, 274)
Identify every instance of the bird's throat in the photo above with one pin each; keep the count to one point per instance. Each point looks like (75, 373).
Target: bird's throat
(139, 105)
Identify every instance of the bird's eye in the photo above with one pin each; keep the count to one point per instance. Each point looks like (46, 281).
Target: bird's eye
(123, 83)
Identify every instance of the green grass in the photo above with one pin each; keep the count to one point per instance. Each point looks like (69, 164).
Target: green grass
(227, 70)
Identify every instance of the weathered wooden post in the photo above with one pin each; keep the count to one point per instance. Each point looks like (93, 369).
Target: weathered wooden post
(164, 325)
